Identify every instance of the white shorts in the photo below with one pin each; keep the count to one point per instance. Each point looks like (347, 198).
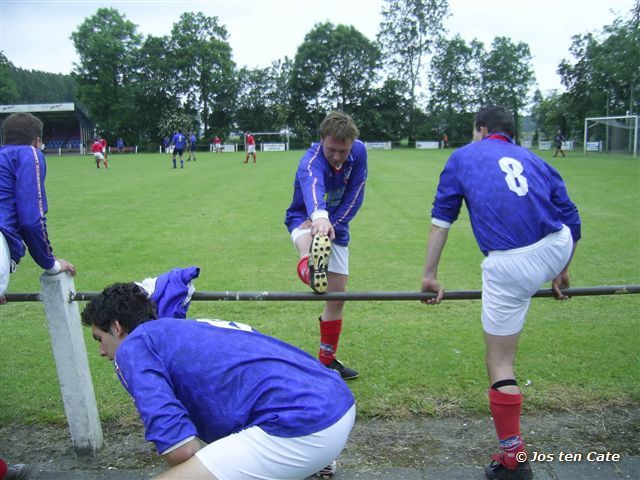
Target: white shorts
(5, 264)
(254, 454)
(339, 258)
(251, 149)
(98, 156)
(511, 277)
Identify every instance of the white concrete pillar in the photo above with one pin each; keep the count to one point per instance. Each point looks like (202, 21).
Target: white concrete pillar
(70, 354)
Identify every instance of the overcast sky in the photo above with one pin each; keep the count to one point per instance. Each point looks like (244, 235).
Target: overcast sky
(35, 34)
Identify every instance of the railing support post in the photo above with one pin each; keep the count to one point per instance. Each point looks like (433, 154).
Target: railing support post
(72, 365)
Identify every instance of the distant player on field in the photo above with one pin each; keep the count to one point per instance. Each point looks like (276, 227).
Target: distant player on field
(98, 153)
(179, 142)
(103, 142)
(527, 227)
(192, 147)
(328, 192)
(251, 148)
(219, 399)
(217, 144)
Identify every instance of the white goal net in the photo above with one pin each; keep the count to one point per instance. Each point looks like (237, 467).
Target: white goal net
(612, 134)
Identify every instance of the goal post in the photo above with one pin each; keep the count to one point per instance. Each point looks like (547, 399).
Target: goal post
(612, 134)
(266, 146)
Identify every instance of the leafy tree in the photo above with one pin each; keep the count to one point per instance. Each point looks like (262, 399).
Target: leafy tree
(204, 68)
(453, 78)
(174, 121)
(106, 43)
(263, 98)
(154, 88)
(384, 113)
(549, 115)
(334, 68)
(8, 87)
(604, 78)
(506, 76)
(408, 33)
(43, 87)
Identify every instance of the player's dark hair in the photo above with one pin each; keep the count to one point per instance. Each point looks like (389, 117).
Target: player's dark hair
(496, 119)
(126, 302)
(339, 126)
(21, 129)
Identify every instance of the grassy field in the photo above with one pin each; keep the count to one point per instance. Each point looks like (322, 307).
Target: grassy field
(141, 218)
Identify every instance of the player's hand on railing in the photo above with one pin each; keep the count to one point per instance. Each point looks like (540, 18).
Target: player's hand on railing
(66, 266)
(432, 285)
(560, 283)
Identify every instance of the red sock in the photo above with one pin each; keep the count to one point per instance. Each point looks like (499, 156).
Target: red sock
(506, 409)
(329, 336)
(3, 468)
(303, 269)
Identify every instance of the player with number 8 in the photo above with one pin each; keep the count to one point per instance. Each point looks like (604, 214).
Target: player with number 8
(527, 227)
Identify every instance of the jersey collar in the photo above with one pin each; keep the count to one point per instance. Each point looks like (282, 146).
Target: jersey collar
(499, 136)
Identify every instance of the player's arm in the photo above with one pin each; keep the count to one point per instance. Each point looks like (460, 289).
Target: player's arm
(437, 240)
(166, 421)
(311, 178)
(183, 452)
(31, 204)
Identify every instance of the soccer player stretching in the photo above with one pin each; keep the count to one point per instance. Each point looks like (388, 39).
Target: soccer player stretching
(328, 192)
(527, 227)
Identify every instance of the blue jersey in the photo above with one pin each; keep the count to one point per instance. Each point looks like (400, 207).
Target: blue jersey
(211, 378)
(192, 142)
(179, 141)
(319, 186)
(23, 203)
(513, 197)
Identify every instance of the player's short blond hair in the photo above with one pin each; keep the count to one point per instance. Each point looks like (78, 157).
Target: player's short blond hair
(340, 126)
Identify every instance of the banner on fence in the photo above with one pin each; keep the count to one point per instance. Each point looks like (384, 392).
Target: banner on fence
(427, 145)
(594, 146)
(273, 147)
(378, 145)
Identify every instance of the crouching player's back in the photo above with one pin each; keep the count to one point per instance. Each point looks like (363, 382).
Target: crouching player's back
(219, 399)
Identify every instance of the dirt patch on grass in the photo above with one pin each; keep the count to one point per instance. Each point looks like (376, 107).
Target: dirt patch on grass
(374, 443)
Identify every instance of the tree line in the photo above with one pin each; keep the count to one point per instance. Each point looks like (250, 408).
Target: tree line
(410, 82)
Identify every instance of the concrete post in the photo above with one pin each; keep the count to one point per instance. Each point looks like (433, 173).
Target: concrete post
(70, 354)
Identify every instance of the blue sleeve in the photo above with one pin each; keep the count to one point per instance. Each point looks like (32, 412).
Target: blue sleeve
(31, 204)
(449, 196)
(144, 375)
(354, 193)
(311, 178)
(567, 209)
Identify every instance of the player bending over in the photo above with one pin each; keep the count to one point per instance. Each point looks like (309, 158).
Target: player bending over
(220, 399)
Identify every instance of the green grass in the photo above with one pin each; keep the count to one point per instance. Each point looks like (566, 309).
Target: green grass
(141, 218)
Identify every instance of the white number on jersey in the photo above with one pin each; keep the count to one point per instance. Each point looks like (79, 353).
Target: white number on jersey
(515, 181)
(225, 324)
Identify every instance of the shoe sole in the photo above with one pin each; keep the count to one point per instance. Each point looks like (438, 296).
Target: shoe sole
(328, 471)
(319, 263)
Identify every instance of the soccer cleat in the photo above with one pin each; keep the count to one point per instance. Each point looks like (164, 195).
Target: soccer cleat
(328, 471)
(19, 471)
(498, 471)
(345, 372)
(319, 253)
